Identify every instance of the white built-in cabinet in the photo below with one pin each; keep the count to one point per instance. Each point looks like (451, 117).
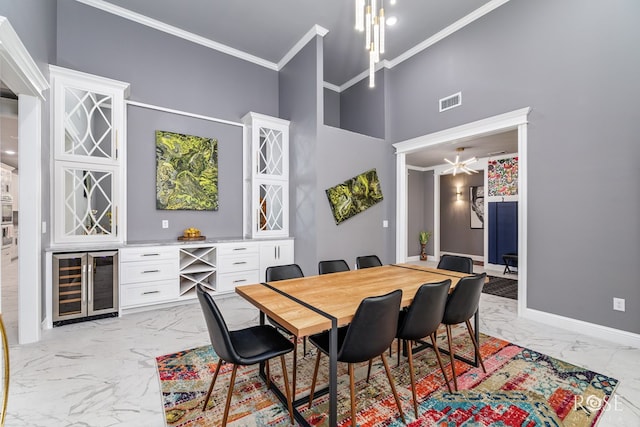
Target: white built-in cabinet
(88, 166)
(273, 253)
(152, 275)
(266, 175)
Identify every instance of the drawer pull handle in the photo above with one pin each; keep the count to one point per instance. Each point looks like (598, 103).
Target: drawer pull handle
(240, 249)
(150, 254)
(150, 271)
(239, 262)
(240, 281)
(150, 292)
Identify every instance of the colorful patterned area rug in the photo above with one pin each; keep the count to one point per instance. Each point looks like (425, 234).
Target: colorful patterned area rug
(521, 387)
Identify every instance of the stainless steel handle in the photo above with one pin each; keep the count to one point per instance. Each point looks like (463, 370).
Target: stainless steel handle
(150, 292)
(240, 281)
(150, 254)
(239, 262)
(151, 271)
(240, 249)
(84, 281)
(90, 277)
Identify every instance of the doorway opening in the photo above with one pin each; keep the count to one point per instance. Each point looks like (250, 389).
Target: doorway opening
(514, 120)
(9, 200)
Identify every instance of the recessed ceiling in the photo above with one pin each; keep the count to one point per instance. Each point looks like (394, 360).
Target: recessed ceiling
(269, 29)
(485, 146)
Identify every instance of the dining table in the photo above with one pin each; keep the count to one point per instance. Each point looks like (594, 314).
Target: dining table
(308, 305)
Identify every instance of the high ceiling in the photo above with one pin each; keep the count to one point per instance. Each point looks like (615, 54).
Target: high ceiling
(269, 29)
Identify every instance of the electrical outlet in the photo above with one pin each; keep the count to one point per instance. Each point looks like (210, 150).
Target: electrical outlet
(385, 224)
(618, 304)
(165, 223)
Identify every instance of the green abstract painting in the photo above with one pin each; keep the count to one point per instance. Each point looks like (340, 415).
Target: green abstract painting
(186, 172)
(354, 195)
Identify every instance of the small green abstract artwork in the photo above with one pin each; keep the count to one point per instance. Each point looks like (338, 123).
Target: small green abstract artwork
(186, 172)
(354, 195)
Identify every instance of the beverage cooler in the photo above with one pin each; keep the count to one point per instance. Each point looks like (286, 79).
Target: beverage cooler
(85, 286)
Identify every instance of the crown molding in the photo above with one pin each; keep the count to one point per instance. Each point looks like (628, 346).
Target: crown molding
(459, 24)
(316, 30)
(20, 72)
(170, 29)
(447, 31)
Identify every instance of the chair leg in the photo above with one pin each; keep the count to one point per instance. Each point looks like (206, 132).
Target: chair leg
(229, 394)
(315, 377)
(393, 387)
(444, 374)
(452, 357)
(352, 388)
(399, 347)
(475, 345)
(213, 382)
(369, 370)
(285, 377)
(295, 365)
(268, 373)
(304, 346)
(413, 380)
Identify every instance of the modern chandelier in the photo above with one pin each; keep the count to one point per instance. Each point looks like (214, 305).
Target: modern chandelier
(371, 20)
(460, 165)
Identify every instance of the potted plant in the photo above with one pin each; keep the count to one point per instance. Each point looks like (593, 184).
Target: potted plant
(423, 237)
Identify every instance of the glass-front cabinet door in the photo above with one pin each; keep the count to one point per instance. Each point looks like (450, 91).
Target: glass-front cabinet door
(266, 176)
(102, 289)
(88, 119)
(69, 286)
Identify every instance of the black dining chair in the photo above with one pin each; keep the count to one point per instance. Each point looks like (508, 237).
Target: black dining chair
(369, 334)
(243, 347)
(368, 261)
(421, 320)
(462, 304)
(285, 272)
(332, 266)
(461, 264)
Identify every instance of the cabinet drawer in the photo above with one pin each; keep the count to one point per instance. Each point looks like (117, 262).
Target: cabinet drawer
(237, 249)
(134, 272)
(144, 294)
(239, 262)
(228, 282)
(148, 253)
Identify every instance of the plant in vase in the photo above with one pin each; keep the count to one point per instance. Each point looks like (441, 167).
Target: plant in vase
(423, 237)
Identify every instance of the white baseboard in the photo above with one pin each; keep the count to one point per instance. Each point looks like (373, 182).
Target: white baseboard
(414, 258)
(591, 329)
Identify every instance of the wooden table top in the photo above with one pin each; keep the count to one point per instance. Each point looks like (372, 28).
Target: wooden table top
(338, 294)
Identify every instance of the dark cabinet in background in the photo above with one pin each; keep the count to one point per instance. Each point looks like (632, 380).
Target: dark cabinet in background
(503, 230)
(85, 286)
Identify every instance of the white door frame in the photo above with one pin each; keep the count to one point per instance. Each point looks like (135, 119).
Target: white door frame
(21, 74)
(516, 119)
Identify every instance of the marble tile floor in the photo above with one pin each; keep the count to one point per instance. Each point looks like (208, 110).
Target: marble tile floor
(103, 373)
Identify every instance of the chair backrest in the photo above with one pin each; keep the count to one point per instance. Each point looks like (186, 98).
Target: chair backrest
(425, 312)
(283, 272)
(218, 331)
(461, 264)
(464, 299)
(368, 261)
(333, 266)
(372, 329)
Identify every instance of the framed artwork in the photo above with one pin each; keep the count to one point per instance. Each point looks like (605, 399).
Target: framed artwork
(476, 206)
(354, 195)
(186, 172)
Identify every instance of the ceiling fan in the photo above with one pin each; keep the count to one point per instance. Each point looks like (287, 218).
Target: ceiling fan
(460, 166)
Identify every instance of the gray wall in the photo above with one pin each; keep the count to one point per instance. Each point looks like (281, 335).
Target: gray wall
(300, 101)
(456, 234)
(362, 109)
(569, 61)
(170, 72)
(35, 23)
(331, 108)
(419, 210)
